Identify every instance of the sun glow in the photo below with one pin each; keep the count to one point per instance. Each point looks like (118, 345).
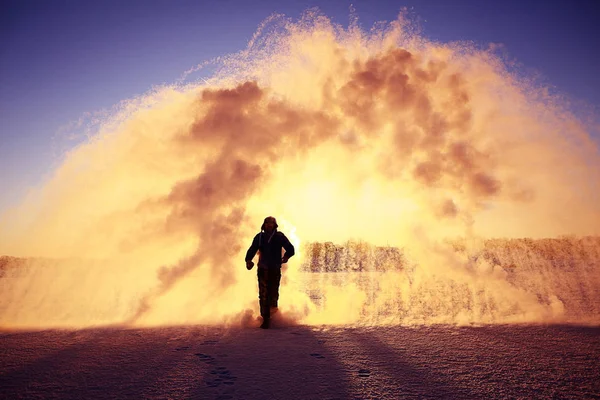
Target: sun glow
(342, 134)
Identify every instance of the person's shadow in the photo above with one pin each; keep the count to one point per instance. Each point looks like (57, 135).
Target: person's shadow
(185, 362)
(284, 362)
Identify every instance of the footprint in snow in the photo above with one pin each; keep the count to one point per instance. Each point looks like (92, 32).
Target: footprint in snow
(364, 373)
(206, 358)
(221, 376)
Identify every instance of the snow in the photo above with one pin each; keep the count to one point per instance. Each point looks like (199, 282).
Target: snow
(302, 362)
(491, 330)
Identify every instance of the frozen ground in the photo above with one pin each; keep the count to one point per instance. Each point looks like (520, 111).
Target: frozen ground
(550, 286)
(301, 362)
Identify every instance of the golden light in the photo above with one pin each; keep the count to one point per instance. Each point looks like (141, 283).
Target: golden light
(380, 136)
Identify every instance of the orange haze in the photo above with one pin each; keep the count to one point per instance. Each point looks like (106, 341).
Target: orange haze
(382, 135)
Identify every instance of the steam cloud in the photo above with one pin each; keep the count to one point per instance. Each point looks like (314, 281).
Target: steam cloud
(340, 133)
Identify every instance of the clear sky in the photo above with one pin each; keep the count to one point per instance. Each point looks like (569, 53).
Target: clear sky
(60, 59)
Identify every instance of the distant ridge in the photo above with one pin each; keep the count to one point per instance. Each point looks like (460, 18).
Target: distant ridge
(360, 256)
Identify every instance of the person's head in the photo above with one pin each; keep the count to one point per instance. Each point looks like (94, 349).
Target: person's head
(269, 224)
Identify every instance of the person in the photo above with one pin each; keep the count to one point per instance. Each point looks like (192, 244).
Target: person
(269, 243)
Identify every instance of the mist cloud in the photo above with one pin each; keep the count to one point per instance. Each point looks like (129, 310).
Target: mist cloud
(343, 133)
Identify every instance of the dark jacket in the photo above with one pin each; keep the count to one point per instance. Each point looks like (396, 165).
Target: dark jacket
(269, 251)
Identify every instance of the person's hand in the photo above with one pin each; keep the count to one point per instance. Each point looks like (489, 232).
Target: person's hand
(284, 260)
(249, 265)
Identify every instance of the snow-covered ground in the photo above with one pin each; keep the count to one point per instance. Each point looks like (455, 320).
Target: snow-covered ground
(518, 320)
(302, 362)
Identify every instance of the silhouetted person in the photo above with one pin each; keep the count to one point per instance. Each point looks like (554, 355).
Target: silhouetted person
(270, 244)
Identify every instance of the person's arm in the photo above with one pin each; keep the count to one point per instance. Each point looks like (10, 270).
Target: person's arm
(252, 252)
(288, 247)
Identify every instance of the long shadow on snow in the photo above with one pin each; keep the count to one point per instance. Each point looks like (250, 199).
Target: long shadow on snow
(286, 362)
(100, 363)
(187, 362)
(418, 362)
(486, 362)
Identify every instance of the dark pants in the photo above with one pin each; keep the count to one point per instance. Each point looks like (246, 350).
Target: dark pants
(268, 289)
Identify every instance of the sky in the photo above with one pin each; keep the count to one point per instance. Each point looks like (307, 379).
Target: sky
(60, 60)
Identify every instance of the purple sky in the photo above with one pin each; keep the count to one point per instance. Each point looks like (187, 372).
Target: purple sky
(60, 59)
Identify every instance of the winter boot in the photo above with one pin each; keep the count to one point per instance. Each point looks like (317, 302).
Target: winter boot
(265, 323)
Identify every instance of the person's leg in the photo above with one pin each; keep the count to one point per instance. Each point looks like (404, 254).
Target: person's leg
(263, 292)
(274, 280)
